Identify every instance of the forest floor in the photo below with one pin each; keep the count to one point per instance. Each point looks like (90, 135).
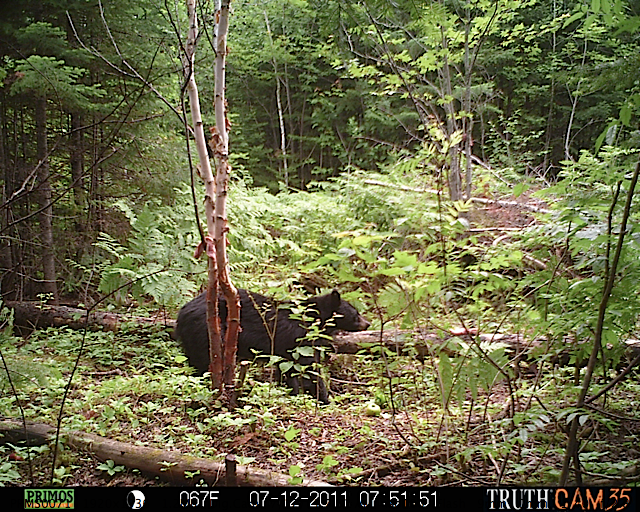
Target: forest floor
(340, 445)
(128, 388)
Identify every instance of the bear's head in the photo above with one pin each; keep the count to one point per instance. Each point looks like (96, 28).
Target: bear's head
(337, 314)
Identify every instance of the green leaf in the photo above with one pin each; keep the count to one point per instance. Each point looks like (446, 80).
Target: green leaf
(295, 470)
(572, 18)
(625, 114)
(393, 271)
(285, 366)
(520, 188)
(589, 21)
(305, 351)
(291, 434)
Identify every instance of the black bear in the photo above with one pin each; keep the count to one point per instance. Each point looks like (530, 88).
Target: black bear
(268, 327)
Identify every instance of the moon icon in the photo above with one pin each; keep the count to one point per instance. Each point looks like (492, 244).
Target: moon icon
(135, 500)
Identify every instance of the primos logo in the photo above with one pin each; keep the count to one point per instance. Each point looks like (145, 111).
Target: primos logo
(48, 498)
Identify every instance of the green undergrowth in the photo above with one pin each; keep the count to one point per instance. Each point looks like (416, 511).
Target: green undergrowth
(133, 386)
(442, 401)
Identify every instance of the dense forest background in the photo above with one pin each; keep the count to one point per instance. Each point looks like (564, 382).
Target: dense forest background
(369, 143)
(91, 129)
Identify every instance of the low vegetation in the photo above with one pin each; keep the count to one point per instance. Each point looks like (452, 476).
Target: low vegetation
(471, 411)
(464, 173)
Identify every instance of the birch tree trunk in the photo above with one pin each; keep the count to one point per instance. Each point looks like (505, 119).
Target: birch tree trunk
(220, 145)
(283, 139)
(222, 354)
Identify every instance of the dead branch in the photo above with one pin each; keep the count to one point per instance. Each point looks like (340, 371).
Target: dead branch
(480, 200)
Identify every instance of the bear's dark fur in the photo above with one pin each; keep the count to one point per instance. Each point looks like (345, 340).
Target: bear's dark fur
(265, 323)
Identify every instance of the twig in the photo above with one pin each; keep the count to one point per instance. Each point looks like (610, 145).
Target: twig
(623, 373)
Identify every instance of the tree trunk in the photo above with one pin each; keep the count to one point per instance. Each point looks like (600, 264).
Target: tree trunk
(467, 120)
(283, 138)
(170, 466)
(93, 201)
(222, 353)
(76, 161)
(7, 283)
(454, 177)
(574, 105)
(213, 318)
(46, 215)
(223, 169)
(547, 161)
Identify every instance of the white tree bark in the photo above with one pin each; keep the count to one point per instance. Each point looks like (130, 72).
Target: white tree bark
(220, 145)
(222, 364)
(283, 138)
(196, 115)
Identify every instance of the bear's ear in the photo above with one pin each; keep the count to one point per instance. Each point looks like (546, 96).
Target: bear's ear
(335, 300)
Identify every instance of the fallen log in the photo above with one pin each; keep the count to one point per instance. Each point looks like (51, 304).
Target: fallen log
(169, 466)
(424, 343)
(35, 315)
